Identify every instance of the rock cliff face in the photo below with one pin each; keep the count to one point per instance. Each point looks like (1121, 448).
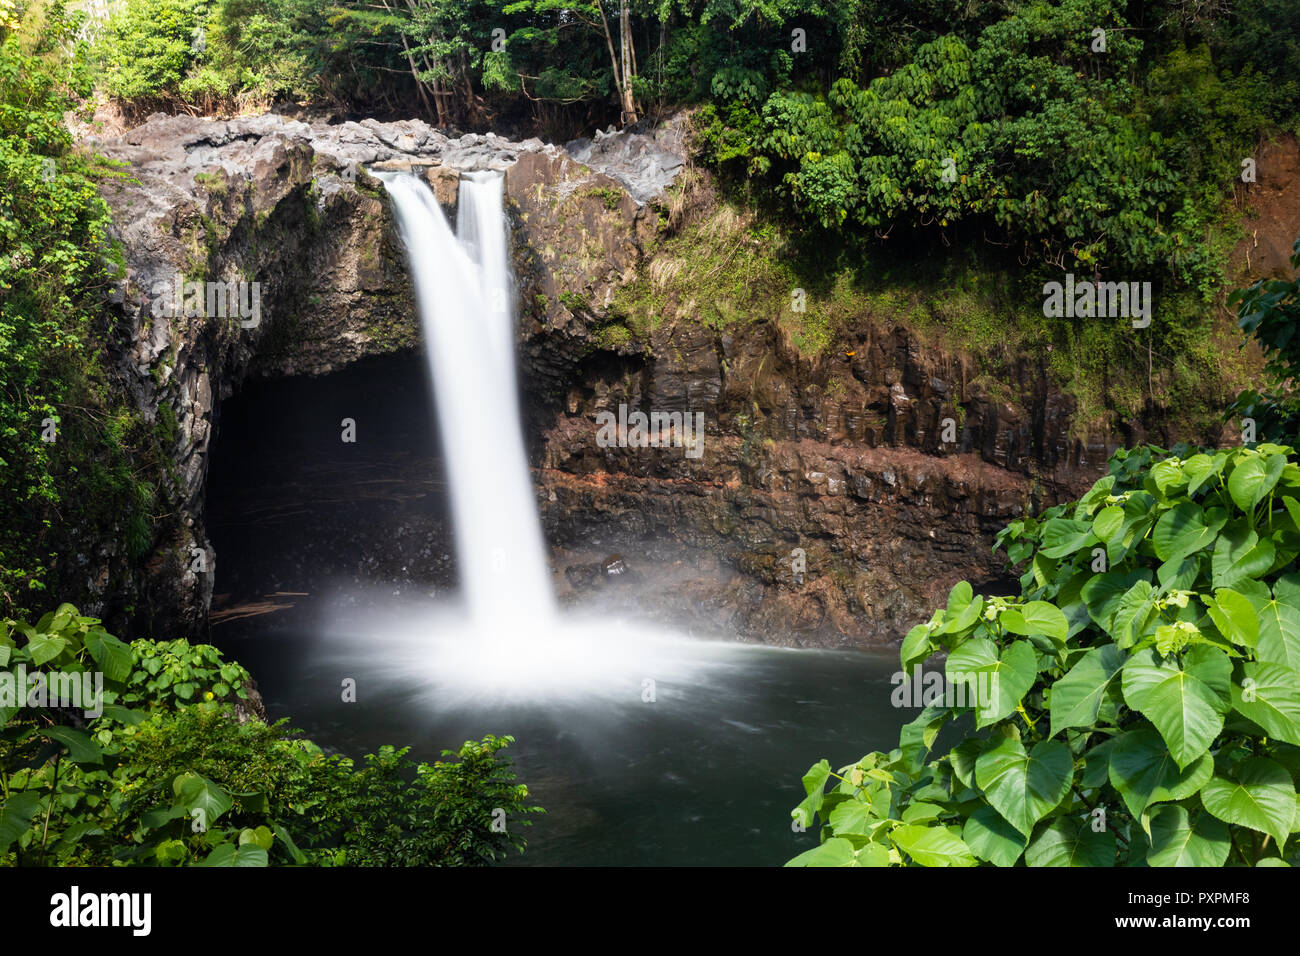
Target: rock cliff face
(838, 466)
(870, 486)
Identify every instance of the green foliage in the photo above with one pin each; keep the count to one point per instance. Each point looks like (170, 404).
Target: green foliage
(157, 765)
(1143, 707)
(1269, 313)
(148, 47)
(1023, 130)
(234, 54)
(64, 433)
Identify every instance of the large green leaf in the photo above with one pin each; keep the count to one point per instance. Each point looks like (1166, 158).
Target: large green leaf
(1133, 614)
(199, 793)
(1201, 468)
(1269, 695)
(993, 684)
(1259, 795)
(227, 854)
(1234, 616)
(1176, 841)
(1240, 555)
(1168, 476)
(1037, 617)
(917, 646)
(16, 816)
(1103, 592)
(990, 837)
(1279, 630)
(1181, 531)
(1063, 536)
(1076, 697)
(961, 617)
(852, 816)
(1144, 772)
(1186, 710)
(43, 648)
(1068, 842)
(1108, 522)
(1253, 478)
(1213, 668)
(962, 760)
(932, 846)
(81, 748)
(114, 657)
(814, 784)
(834, 852)
(260, 836)
(1024, 787)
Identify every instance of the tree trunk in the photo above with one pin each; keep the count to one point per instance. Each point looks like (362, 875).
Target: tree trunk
(629, 55)
(624, 90)
(629, 62)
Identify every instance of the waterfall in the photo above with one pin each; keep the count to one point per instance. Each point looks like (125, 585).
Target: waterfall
(465, 299)
(508, 642)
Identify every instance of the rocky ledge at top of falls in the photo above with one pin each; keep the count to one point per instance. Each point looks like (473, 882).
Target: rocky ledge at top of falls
(854, 477)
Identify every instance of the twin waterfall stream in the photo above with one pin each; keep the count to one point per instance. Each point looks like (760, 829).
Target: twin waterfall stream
(465, 298)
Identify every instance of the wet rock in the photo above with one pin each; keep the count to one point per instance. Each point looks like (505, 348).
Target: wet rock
(595, 575)
(585, 577)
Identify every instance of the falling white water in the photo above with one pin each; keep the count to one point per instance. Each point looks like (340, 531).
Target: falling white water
(463, 291)
(511, 645)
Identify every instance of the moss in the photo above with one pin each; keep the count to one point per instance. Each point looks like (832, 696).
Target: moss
(166, 426)
(215, 183)
(612, 336)
(573, 301)
(369, 254)
(608, 195)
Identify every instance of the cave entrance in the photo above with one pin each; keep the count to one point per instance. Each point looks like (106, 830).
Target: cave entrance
(294, 507)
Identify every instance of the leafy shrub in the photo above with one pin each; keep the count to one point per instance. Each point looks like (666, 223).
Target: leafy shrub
(161, 770)
(1142, 695)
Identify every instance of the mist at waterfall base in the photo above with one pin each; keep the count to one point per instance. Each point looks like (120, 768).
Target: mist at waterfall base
(645, 747)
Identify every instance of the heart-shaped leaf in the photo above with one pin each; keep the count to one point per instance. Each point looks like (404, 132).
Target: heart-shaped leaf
(1068, 842)
(990, 837)
(993, 684)
(1076, 697)
(1176, 841)
(1259, 795)
(1269, 695)
(1187, 712)
(1234, 616)
(1279, 630)
(1144, 772)
(1024, 787)
(932, 846)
